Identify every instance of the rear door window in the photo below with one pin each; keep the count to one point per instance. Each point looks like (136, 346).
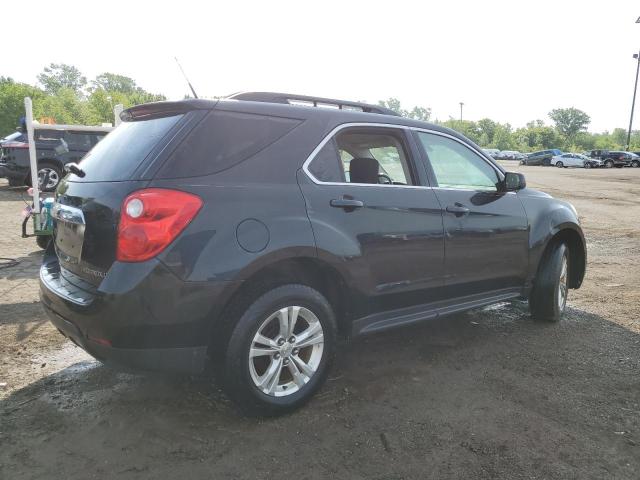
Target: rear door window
(125, 148)
(365, 156)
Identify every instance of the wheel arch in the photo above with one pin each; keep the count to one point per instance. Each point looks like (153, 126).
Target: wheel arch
(574, 239)
(306, 270)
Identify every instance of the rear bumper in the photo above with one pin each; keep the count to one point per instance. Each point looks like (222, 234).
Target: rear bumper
(189, 360)
(140, 317)
(12, 171)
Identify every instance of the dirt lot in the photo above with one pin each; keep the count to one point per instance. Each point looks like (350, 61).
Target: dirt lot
(487, 394)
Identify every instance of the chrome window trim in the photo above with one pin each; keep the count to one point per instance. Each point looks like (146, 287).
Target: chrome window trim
(332, 133)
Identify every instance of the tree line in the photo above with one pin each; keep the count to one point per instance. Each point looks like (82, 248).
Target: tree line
(567, 131)
(64, 94)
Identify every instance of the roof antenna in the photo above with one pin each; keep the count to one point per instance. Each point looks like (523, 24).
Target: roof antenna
(195, 95)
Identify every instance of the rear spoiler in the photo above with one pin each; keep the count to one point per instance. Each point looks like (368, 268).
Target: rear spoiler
(165, 109)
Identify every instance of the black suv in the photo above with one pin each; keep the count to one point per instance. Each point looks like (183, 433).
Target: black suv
(54, 148)
(248, 234)
(612, 159)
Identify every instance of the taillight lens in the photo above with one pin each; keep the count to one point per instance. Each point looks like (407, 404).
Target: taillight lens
(151, 219)
(15, 145)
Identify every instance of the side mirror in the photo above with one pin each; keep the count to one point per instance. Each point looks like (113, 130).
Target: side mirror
(513, 181)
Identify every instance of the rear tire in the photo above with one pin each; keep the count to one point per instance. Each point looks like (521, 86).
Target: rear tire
(53, 173)
(587, 165)
(548, 298)
(263, 341)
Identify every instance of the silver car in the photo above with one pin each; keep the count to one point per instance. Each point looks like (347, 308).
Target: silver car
(575, 160)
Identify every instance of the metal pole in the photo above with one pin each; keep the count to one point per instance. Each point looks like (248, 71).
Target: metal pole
(33, 161)
(117, 110)
(461, 104)
(633, 103)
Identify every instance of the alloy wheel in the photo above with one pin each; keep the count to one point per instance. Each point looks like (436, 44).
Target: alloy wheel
(51, 176)
(561, 294)
(286, 351)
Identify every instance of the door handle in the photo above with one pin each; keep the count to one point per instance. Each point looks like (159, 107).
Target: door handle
(458, 209)
(346, 203)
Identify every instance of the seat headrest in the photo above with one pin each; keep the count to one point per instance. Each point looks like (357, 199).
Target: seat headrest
(364, 170)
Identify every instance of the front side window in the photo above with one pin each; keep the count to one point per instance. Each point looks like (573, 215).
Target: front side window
(363, 156)
(456, 166)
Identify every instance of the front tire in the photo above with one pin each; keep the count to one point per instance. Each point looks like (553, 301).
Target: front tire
(608, 164)
(548, 298)
(559, 164)
(635, 164)
(280, 350)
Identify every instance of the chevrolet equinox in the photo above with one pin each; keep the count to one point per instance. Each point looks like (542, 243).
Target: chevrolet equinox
(243, 236)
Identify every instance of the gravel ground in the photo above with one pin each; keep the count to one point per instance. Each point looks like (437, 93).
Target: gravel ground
(485, 394)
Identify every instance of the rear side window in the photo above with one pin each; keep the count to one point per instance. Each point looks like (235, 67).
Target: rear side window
(222, 140)
(123, 150)
(326, 164)
(79, 141)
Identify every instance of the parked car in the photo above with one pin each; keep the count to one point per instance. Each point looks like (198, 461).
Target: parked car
(54, 148)
(612, 159)
(542, 157)
(509, 155)
(492, 152)
(249, 234)
(575, 160)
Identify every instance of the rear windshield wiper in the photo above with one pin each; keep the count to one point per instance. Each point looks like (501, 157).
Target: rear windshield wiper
(75, 169)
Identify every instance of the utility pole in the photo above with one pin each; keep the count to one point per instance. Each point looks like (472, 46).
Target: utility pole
(462, 103)
(633, 102)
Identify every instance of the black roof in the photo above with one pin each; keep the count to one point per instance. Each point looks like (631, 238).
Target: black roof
(284, 104)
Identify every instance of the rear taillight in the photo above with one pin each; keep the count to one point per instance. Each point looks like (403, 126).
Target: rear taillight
(15, 145)
(151, 219)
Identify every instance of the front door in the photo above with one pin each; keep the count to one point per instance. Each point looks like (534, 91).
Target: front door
(486, 230)
(370, 216)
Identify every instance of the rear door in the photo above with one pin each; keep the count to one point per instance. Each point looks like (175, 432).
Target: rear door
(374, 217)
(486, 230)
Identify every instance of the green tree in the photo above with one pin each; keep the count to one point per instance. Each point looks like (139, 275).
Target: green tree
(570, 121)
(59, 75)
(502, 138)
(417, 113)
(113, 82)
(487, 128)
(12, 103)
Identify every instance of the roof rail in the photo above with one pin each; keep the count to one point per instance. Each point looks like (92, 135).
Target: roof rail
(305, 100)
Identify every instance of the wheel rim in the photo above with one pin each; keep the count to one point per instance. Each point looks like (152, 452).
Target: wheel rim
(608, 164)
(559, 165)
(563, 284)
(52, 180)
(587, 165)
(286, 351)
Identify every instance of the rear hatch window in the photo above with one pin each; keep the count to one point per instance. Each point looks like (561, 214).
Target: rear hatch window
(121, 152)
